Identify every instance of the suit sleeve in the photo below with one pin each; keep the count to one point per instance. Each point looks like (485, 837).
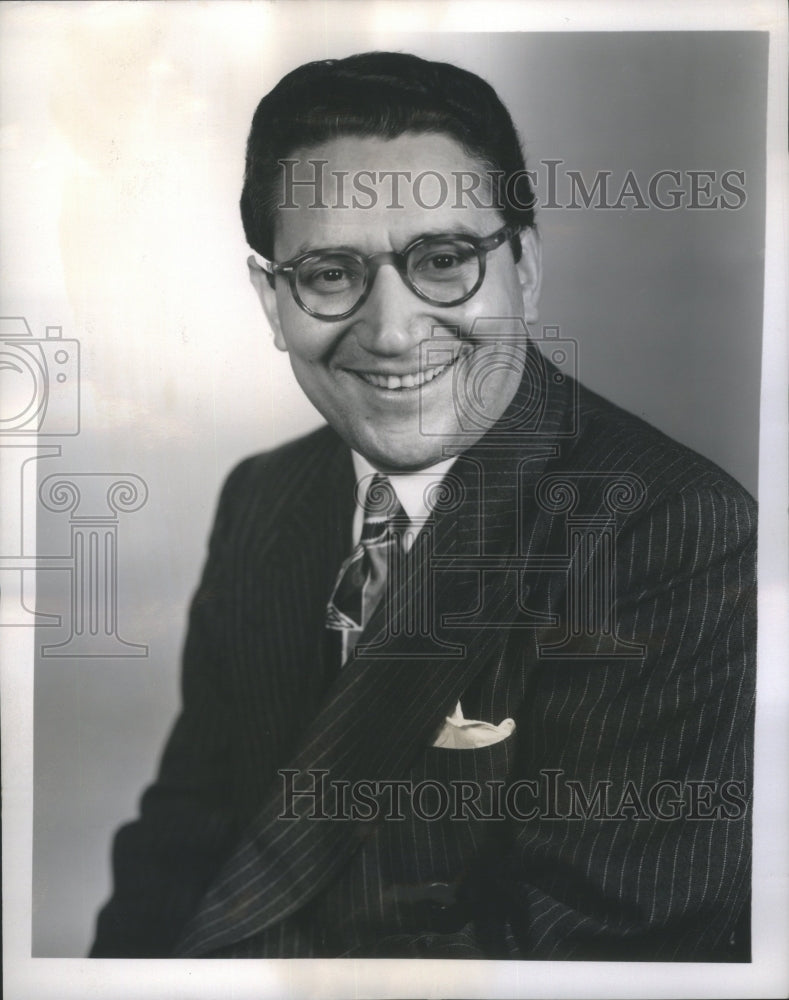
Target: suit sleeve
(163, 861)
(659, 869)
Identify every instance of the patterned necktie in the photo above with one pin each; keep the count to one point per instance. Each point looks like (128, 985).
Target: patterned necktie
(361, 581)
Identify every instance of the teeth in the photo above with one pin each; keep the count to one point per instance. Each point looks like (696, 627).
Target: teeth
(410, 381)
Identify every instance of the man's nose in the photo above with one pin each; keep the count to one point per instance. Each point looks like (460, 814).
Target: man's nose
(392, 320)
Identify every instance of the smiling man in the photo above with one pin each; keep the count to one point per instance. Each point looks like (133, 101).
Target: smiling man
(455, 262)
(470, 670)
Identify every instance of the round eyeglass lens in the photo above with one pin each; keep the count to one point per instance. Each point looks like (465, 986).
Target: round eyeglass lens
(444, 270)
(330, 284)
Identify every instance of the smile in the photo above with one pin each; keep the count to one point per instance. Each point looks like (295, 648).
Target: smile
(413, 380)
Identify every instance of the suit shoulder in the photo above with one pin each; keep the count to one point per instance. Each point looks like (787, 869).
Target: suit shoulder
(267, 470)
(261, 488)
(611, 439)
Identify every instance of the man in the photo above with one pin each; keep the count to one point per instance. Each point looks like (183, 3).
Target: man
(470, 671)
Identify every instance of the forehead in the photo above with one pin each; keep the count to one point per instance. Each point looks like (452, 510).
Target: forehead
(376, 194)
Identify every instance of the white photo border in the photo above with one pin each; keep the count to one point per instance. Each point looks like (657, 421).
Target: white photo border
(767, 975)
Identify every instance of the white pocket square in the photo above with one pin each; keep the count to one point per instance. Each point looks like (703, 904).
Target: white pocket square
(459, 733)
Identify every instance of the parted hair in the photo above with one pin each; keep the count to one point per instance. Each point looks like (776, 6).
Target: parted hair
(380, 95)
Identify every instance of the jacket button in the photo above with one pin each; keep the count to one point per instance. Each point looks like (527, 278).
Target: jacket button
(441, 895)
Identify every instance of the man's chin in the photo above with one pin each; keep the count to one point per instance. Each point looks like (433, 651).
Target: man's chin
(405, 458)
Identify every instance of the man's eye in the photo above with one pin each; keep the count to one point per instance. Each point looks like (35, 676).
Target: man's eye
(330, 275)
(335, 276)
(442, 261)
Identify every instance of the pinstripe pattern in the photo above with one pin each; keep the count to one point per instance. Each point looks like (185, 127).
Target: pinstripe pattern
(210, 869)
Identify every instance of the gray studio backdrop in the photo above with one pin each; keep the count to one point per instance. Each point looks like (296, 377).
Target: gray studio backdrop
(178, 377)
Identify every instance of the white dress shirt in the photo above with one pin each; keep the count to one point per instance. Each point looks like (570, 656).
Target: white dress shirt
(413, 489)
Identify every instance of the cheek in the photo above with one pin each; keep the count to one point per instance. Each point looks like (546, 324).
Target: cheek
(509, 291)
(306, 339)
(501, 300)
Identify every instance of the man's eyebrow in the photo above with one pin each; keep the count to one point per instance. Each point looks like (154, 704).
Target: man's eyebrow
(303, 248)
(460, 230)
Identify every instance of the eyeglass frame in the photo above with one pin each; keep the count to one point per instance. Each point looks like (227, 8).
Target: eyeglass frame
(371, 263)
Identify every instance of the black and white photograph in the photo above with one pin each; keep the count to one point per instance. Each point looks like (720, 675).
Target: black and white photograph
(394, 489)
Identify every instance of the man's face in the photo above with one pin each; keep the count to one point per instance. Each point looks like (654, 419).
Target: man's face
(361, 373)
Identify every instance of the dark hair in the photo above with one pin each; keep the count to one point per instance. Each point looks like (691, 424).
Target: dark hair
(382, 95)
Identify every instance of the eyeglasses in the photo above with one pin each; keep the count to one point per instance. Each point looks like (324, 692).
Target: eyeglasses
(443, 270)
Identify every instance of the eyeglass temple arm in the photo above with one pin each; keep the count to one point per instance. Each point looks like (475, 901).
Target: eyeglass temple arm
(497, 238)
(267, 265)
(486, 244)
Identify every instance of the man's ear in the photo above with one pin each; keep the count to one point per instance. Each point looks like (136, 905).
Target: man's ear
(530, 272)
(268, 299)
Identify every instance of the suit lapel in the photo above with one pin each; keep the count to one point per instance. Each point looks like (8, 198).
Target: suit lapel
(385, 706)
(275, 636)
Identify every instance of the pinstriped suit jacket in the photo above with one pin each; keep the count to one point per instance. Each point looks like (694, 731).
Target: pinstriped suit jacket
(647, 705)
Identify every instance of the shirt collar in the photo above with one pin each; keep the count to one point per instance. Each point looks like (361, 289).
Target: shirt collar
(410, 487)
